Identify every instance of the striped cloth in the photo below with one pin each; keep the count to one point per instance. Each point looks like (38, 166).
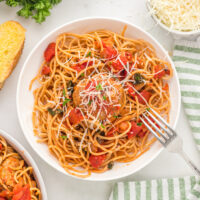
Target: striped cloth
(162, 189)
(186, 56)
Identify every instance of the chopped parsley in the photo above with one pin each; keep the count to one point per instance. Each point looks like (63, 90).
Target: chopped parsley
(66, 101)
(89, 54)
(90, 102)
(102, 125)
(63, 136)
(70, 84)
(64, 92)
(148, 109)
(139, 123)
(99, 87)
(116, 116)
(110, 165)
(104, 97)
(82, 75)
(54, 112)
(138, 78)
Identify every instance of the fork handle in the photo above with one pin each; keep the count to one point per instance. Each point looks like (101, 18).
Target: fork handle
(189, 162)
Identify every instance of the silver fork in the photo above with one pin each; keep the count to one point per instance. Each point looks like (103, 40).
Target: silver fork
(168, 137)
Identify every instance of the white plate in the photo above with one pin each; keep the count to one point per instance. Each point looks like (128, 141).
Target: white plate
(25, 97)
(28, 159)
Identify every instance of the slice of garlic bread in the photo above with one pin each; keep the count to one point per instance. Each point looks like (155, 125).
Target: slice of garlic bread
(12, 36)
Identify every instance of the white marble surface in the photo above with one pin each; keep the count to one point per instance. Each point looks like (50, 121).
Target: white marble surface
(61, 187)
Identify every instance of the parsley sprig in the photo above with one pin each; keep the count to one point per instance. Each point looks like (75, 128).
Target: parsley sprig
(38, 10)
(66, 99)
(99, 87)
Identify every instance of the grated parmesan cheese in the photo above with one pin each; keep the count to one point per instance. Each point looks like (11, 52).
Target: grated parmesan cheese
(181, 15)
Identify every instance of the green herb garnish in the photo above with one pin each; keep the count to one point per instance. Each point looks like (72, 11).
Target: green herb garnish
(104, 97)
(148, 109)
(102, 125)
(63, 136)
(99, 87)
(36, 9)
(58, 111)
(138, 78)
(70, 84)
(116, 116)
(54, 112)
(139, 123)
(89, 54)
(110, 165)
(90, 102)
(64, 92)
(51, 111)
(82, 75)
(66, 101)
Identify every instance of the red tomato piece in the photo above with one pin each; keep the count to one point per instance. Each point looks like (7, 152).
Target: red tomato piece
(123, 74)
(46, 70)
(75, 116)
(91, 84)
(111, 132)
(118, 65)
(135, 129)
(166, 87)
(131, 91)
(96, 161)
(79, 67)
(159, 72)
(2, 198)
(1, 146)
(167, 71)
(22, 194)
(145, 94)
(141, 134)
(49, 53)
(108, 52)
(5, 194)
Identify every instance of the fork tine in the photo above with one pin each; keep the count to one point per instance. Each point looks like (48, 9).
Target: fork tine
(153, 132)
(161, 119)
(159, 123)
(157, 129)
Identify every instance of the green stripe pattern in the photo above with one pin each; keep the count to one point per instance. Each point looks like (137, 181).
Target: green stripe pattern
(186, 57)
(186, 188)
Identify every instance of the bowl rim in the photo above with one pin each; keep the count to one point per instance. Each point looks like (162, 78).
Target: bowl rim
(28, 159)
(48, 35)
(166, 28)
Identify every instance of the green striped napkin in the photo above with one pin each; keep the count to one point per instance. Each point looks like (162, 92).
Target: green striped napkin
(186, 56)
(162, 189)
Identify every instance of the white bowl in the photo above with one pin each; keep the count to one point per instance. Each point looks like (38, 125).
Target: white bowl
(28, 159)
(25, 97)
(190, 35)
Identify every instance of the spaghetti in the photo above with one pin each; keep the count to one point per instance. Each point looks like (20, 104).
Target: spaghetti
(16, 177)
(93, 89)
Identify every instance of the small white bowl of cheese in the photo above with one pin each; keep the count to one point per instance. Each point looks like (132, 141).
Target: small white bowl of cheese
(181, 18)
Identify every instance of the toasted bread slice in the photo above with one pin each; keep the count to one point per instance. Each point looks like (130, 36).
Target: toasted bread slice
(12, 36)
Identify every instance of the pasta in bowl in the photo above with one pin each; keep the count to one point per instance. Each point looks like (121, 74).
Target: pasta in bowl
(89, 94)
(19, 176)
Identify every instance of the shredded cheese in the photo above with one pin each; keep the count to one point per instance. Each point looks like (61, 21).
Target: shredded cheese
(181, 15)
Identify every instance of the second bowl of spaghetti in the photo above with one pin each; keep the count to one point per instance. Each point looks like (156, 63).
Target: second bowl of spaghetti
(81, 94)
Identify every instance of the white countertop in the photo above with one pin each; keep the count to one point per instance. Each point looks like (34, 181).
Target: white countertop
(58, 186)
